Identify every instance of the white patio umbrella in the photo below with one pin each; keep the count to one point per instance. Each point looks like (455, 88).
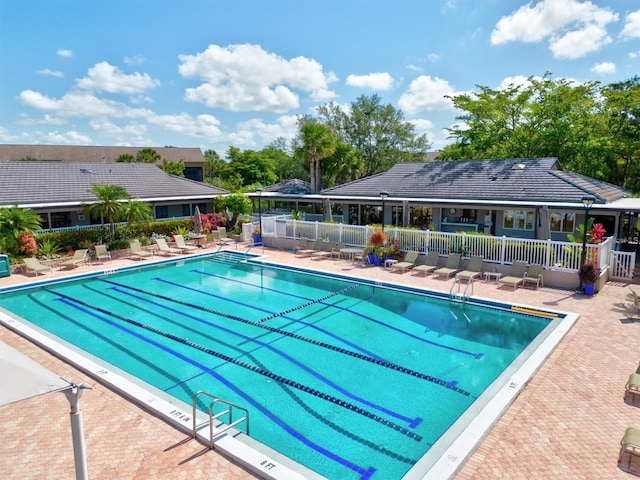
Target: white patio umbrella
(326, 207)
(197, 221)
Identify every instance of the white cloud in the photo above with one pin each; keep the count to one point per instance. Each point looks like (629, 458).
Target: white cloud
(633, 55)
(426, 93)
(285, 126)
(135, 60)
(631, 26)
(515, 81)
(65, 53)
(374, 81)
(65, 138)
(433, 57)
(248, 78)
(573, 28)
(107, 78)
(604, 68)
(50, 73)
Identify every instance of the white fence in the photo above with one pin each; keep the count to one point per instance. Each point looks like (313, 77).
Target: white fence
(504, 250)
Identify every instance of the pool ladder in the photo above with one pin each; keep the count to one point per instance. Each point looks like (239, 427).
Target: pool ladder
(231, 423)
(460, 298)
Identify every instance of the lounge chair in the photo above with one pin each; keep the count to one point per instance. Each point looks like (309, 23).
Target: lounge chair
(307, 252)
(137, 251)
(430, 264)
(534, 275)
(633, 384)
(102, 253)
(336, 252)
(164, 249)
(516, 276)
(408, 262)
(630, 444)
(450, 268)
(182, 245)
(32, 264)
(223, 239)
(79, 256)
(325, 251)
(473, 270)
(633, 308)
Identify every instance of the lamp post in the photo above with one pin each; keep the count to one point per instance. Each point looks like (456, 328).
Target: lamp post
(383, 195)
(587, 201)
(259, 214)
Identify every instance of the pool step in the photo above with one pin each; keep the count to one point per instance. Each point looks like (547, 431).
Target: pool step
(227, 258)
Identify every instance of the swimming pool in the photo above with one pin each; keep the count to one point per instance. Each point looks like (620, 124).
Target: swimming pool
(351, 379)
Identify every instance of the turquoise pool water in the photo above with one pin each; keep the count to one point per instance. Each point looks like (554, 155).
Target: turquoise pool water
(353, 380)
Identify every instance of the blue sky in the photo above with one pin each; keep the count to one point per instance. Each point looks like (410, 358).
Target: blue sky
(214, 74)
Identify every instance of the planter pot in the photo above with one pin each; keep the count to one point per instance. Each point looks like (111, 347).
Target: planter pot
(377, 261)
(257, 238)
(589, 288)
(371, 258)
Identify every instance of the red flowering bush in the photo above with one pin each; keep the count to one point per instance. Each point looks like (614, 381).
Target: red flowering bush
(28, 244)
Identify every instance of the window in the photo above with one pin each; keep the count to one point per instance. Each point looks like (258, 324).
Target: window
(563, 222)
(186, 210)
(162, 211)
(193, 173)
(518, 219)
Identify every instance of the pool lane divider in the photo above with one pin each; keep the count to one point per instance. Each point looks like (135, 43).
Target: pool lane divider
(475, 355)
(451, 385)
(305, 305)
(412, 422)
(365, 473)
(67, 300)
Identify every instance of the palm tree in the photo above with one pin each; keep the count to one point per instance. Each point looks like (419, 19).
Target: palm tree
(14, 221)
(108, 205)
(136, 211)
(318, 142)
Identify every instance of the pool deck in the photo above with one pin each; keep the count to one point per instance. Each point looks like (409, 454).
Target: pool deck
(566, 423)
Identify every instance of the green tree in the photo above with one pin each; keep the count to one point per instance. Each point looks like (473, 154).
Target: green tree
(109, 203)
(135, 211)
(286, 165)
(173, 168)
(213, 166)
(378, 134)
(232, 206)
(317, 142)
(254, 168)
(126, 158)
(13, 222)
(148, 155)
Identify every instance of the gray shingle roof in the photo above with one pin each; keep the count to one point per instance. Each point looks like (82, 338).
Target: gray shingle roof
(47, 183)
(97, 154)
(293, 187)
(532, 179)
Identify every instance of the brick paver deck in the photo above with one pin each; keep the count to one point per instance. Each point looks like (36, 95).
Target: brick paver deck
(566, 423)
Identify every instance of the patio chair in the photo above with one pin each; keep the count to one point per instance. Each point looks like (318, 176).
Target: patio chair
(79, 256)
(223, 239)
(534, 275)
(32, 264)
(336, 252)
(102, 253)
(137, 251)
(182, 245)
(408, 262)
(473, 270)
(630, 444)
(516, 276)
(430, 264)
(633, 384)
(164, 249)
(450, 268)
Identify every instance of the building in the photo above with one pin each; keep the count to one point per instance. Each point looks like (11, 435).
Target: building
(59, 191)
(192, 157)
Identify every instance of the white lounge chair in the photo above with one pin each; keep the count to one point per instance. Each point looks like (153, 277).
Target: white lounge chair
(79, 256)
(33, 265)
(165, 249)
(137, 251)
(182, 245)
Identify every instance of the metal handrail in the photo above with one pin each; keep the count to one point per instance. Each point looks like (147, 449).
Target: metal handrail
(229, 411)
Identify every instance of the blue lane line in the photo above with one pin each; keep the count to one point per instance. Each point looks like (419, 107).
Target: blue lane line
(413, 422)
(452, 385)
(365, 473)
(477, 356)
(307, 324)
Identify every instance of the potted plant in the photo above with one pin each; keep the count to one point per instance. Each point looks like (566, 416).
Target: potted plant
(257, 238)
(375, 247)
(588, 274)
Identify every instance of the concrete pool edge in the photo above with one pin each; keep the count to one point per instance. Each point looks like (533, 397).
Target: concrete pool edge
(257, 458)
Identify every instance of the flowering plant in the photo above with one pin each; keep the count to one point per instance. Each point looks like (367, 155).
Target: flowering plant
(588, 273)
(597, 232)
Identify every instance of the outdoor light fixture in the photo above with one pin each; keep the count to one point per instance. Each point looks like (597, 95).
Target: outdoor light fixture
(587, 201)
(260, 211)
(383, 195)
